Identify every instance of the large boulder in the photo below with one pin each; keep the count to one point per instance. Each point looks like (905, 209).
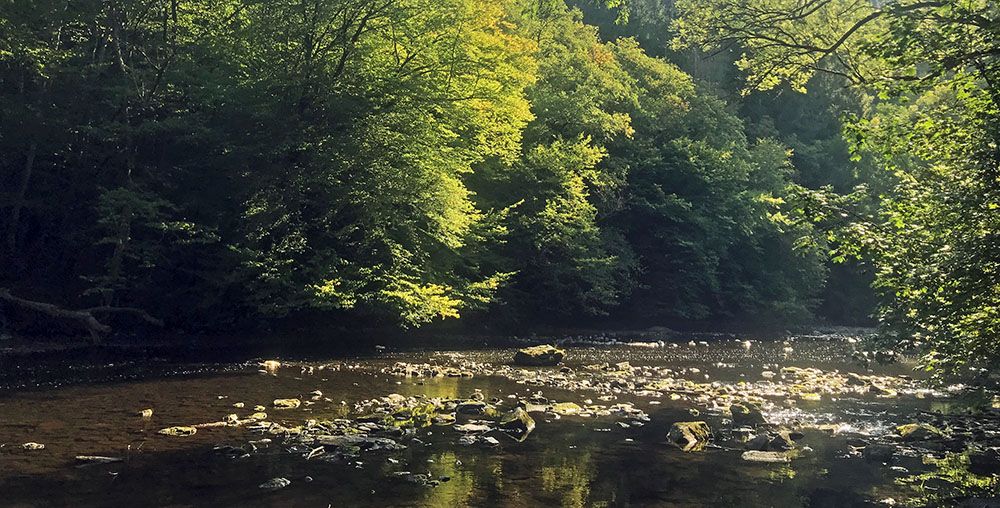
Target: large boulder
(517, 424)
(690, 436)
(539, 356)
(746, 415)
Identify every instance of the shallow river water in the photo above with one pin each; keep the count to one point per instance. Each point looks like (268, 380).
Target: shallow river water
(568, 460)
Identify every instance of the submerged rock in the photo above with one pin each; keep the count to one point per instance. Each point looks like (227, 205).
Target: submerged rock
(287, 403)
(146, 414)
(517, 424)
(275, 484)
(96, 459)
(179, 431)
(539, 356)
(690, 436)
(358, 442)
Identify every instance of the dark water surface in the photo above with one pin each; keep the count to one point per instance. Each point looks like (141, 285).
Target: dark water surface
(569, 461)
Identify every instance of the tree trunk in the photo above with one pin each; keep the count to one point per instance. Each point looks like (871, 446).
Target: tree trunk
(22, 190)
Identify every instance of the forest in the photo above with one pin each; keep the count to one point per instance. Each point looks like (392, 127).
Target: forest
(500, 253)
(224, 163)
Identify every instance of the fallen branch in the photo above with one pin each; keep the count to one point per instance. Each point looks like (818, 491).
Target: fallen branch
(126, 310)
(85, 316)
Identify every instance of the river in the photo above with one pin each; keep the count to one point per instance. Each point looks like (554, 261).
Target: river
(612, 451)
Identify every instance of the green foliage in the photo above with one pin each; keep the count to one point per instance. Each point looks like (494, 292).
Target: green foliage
(949, 481)
(929, 220)
(401, 160)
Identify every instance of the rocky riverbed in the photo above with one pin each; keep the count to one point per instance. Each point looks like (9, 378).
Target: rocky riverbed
(707, 421)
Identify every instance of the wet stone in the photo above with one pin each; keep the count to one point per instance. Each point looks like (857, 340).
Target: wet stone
(771, 441)
(287, 403)
(690, 436)
(766, 457)
(566, 408)
(539, 356)
(179, 431)
(878, 452)
(918, 432)
(275, 484)
(746, 415)
(517, 423)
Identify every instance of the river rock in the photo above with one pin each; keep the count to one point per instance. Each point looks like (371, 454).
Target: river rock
(690, 436)
(742, 434)
(179, 431)
(856, 379)
(566, 408)
(443, 419)
(771, 441)
(539, 356)
(918, 432)
(340, 441)
(746, 415)
(31, 446)
(471, 428)
(471, 407)
(287, 403)
(766, 457)
(517, 424)
(275, 484)
(878, 452)
(881, 391)
(985, 462)
(146, 414)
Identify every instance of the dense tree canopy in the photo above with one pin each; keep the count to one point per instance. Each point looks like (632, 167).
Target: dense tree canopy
(223, 161)
(929, 219)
